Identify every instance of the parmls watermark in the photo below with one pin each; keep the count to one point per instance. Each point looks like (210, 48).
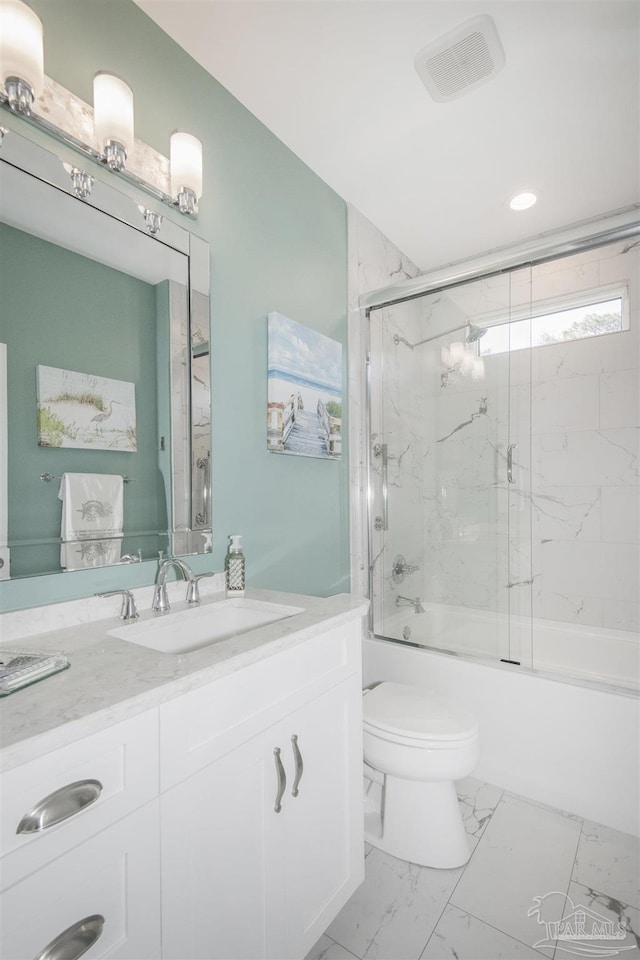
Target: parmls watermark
(581, 930)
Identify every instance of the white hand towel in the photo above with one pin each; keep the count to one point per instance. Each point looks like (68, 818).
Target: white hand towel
(92, 510)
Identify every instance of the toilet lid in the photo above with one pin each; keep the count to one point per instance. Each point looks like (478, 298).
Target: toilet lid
(414, 712)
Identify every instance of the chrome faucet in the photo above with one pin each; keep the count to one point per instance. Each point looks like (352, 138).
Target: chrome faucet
(412, 601)
(160, 598)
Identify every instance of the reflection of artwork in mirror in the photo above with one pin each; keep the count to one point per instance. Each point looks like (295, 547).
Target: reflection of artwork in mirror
(83, 410)
(69, 312)
(105, 313)
(304, 406)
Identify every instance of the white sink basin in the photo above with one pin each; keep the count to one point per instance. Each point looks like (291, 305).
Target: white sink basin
(192, 629)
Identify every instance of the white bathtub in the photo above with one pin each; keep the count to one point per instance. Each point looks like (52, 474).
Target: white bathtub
(564, 650)
(573, 745)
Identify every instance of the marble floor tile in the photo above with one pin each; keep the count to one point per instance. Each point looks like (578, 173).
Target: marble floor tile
(609, 861)
(327, 949)
(526, 852)
(477, 802)
(543, 806)
(522, 850)
(394, 912)
(460, 936)
(610, 911)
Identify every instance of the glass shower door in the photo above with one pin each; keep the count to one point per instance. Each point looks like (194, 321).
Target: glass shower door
(440, 497)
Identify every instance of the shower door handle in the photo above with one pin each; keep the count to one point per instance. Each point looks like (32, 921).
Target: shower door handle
(510, 449)
(380, 450)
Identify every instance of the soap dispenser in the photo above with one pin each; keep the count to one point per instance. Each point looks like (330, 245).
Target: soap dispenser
(234, 568)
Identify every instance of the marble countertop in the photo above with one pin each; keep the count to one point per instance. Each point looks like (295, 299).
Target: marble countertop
(110, 679)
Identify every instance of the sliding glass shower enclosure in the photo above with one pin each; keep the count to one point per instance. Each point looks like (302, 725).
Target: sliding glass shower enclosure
(503, 465)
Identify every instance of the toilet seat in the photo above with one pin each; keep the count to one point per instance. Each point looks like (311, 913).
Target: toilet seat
(412, 716)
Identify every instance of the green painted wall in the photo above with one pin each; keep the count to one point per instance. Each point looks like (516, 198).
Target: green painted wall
(82, 316)
(278, 239)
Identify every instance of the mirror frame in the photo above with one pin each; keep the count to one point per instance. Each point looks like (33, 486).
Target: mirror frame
(189, 503)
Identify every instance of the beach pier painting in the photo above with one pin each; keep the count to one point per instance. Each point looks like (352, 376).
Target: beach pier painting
(304, 404)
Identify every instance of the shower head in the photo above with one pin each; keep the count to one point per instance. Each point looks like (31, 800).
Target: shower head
(475, 333)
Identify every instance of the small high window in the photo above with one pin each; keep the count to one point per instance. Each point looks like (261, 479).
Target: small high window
(591, 315)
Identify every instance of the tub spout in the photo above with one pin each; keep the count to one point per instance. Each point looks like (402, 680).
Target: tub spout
(411, 601)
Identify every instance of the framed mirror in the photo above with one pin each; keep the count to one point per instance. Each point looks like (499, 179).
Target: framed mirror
(105, 392)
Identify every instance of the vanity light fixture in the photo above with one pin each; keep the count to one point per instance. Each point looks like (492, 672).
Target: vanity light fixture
(21, 55)
(186, 170)
(104, 134)
(81, 180)
(113, 119)
(153, 220)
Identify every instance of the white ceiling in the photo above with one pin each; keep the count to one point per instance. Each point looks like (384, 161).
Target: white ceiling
(335, 81)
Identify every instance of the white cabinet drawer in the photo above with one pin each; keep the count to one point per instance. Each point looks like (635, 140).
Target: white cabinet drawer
(202, 726)
(123, 760)
(114, 875)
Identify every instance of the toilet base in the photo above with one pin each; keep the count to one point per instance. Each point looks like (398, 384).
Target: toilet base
(422, 823)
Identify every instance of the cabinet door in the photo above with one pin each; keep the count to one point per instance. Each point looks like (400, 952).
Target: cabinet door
(122, 761)
(114, 876)
(324, 844)
(222, 882)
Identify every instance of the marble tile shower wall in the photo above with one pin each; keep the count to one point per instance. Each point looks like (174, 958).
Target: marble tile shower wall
(562, 541)
(374, 262)
(584, 456)
(469, 510)
(397, 421)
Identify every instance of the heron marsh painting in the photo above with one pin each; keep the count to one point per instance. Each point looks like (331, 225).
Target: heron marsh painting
(304, 403)
(85, 411)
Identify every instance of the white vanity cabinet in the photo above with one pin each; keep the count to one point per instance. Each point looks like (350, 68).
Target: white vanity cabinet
(240, 878)
(158, 836)
(106, 892)
(80, 863)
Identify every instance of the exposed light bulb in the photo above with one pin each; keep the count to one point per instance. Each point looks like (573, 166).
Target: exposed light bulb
(21, 54)
(186, 170)
(113, 118)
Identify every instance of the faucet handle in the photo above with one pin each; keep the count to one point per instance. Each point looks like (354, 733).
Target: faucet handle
(129, 611)
(193, 593)
(160, 602)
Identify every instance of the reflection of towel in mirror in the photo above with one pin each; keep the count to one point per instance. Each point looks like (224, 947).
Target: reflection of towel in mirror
(92, 518)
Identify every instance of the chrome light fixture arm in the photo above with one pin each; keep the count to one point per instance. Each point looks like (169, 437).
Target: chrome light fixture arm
(91, 153)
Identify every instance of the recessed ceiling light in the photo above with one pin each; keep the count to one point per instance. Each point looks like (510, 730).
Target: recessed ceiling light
(522, 201)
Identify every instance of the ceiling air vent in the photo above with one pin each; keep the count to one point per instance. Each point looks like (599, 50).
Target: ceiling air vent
(461, 60)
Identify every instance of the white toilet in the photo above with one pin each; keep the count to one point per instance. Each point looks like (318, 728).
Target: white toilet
(416, 744)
